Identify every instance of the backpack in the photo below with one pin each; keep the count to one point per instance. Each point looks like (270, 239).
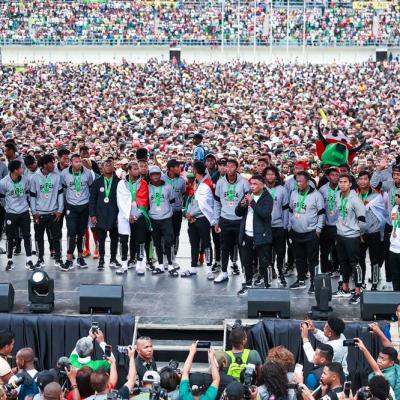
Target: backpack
(29, 387)
(238, 364)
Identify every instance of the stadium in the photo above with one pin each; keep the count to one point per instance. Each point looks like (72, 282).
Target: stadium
(199, 199)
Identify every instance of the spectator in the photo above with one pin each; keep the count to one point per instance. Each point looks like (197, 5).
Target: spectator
(53, 391)
(331, 382)
(43, 378)
(6, 347)
(83, 388)
(225, 379)
(379, 387)
(150, 379)
(169, 380)
(144, 360)
(274, 380)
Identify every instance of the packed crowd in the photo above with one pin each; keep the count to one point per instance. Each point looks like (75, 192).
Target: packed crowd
(204, 22)
(236, 374)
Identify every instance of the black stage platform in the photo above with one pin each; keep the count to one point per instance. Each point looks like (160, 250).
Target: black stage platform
(161, 299)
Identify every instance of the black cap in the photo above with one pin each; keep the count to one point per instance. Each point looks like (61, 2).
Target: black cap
(173, 163)
(210, 155)
(43, 378)
(222, 161)
(235, 390)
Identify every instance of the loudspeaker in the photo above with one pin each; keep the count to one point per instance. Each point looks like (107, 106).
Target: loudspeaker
(268, 302)
(175, 53)
(381, 55)
(101, 298)
(6, 297)
(378, 305)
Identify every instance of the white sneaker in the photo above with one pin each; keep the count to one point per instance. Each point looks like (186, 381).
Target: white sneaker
(140, 267)
(209, 273)
(124, 269)
(222, 277)
(387, 286)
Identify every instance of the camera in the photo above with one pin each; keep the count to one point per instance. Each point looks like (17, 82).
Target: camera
(174, 365)
(122, 349)
(349, 342)
(95, 327)
(366, 329)
(203, 345)
(157, 392)
(63, 364)
(363, 393)
(9, 387)
(247, 379)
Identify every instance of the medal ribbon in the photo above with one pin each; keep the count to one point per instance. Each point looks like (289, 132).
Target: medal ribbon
(272, 193)
(107, 186)
(302, 199)
(133, 188)
(77, 181)
(46, 184)
(173, 182)
(157, 195)
(331, 199)
(363, 197)
(343, 206)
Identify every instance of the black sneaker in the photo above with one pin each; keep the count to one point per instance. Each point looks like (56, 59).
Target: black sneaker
(288, 272)
(150, 266)
(298, 285)
(29, 265)
(67, 266)
(355, 299)
(259, 280)
(39, 264)
(10, 265)
(374, 287)
(243, 291)
(235, 269)
(311, 290)
(131, 263)
(81, 263)
(58, 263)
(282, 282)
(341, 293)
(114, 264)
(100, 267)
(216, 268)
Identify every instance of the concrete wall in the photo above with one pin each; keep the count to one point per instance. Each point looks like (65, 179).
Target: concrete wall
(140, 54)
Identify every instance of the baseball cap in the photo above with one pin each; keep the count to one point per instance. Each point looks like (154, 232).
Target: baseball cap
(235, 390)
(173, 163)
(199, 381)
(154, 169)
(43, 378)
(151, 377)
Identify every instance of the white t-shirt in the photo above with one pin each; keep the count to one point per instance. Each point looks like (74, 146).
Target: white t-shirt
(5, 368)
(395, 236)
(249, 220)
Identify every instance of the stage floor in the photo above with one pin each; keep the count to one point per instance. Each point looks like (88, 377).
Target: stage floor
(160, 299)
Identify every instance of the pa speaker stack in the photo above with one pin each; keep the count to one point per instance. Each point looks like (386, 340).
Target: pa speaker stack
(101, 299)
(6, 297)
(378, 305)
(268, 303)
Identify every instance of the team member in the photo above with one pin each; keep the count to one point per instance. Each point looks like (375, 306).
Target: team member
(178, 185)
(161, 199)
(14, 189)
(228, 193)
(133, 219)
(200, 217)
(280, 215)
(255, 231)
(350, 228)
(63, 160)
(103, 211)
(306, 219)
(329, 192)
(77, 181)
(47, 204)
(375, 221)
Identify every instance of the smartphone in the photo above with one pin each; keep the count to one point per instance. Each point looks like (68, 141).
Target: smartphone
(203, 345)
(298, 369)
(95, 327)
(107, 351)
(349, 342)
(346, 389)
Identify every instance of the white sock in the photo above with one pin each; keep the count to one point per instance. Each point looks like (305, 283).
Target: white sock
(28, 259)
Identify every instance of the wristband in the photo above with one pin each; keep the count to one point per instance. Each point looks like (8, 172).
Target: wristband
(73, 387)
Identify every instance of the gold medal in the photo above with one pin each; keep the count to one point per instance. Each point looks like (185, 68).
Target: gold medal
(106, 200)
(231, 203)
(46, 196)
(158, 209)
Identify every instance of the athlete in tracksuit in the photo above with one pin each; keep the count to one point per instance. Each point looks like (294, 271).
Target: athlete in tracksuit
(47, 204)
(280, 215)
(329, 193)
(161, 199)
(133, 219)
(306, 219)
(350, 228)
(77, 181)
(174, 179)
(228, 193)
(14, 189)
(375, 221)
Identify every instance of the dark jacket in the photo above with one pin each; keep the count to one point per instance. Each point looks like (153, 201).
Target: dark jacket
(106, 213)
(261, 220)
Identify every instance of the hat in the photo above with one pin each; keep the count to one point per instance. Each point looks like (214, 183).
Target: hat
(43, 378)
(222, 161)
(151, 377)
(210, 155)
(154, 169)
(235, 390)
(303, 164)
(199, 381)
(124, 161)
(173, 163)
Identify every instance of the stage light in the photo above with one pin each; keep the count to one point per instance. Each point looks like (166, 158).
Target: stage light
(323, 295)
(41, 293)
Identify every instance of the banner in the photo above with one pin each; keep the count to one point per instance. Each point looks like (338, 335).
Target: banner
(376, 5)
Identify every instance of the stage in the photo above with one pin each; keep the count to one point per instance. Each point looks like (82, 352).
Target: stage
(160, 299)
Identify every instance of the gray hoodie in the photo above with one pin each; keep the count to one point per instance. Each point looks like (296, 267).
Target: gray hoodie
(164, 210)
(311, 216)
(223, 207)
(178, 186)
(42, 203)
(14, 204)
(67, 180)
(331, 216)
(280, 210)
(353, 224)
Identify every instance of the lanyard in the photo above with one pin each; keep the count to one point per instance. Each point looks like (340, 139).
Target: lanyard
(46, 184)
(363, 197)
(77, 181)
(17, 188)
(331, 199)
(343, 206)
(272, 192)
(156, 195)
(302, 199)
(396, 222)
(107, 186)
(133, 188)
(173, 182)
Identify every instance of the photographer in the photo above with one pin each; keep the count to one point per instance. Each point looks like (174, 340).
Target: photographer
(275, 384)
(82, 354)
(144, 360)
(169, 380)
(386, 365)
(6, 347)
(332, 335)
(195, 392)
(150, 387)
